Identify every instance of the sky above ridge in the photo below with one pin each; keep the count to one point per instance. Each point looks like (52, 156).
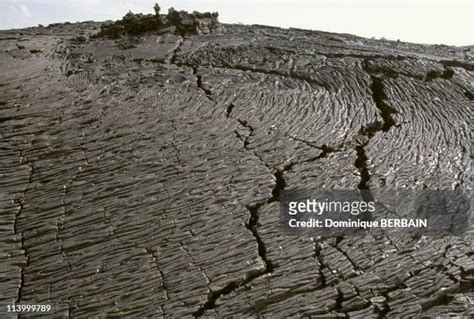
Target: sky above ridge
(423, 21)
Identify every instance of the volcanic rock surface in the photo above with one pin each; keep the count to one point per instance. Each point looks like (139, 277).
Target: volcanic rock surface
(141, 176)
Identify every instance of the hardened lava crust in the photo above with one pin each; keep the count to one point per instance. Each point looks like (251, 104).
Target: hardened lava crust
(141, 175)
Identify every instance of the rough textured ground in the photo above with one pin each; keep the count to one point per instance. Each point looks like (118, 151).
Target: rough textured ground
(141, 176)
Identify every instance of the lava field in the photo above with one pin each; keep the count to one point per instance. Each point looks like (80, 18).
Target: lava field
(141, 175)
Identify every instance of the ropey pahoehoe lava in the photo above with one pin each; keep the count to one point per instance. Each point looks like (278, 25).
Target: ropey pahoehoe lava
(142, 163)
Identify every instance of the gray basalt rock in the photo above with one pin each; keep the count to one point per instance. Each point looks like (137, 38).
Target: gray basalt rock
(141, 176)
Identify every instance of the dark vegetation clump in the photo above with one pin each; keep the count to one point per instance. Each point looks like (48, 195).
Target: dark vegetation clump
(193, 23)
(133, 24)
(181, 22)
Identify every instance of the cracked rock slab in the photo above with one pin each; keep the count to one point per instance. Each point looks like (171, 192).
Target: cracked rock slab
(141, 176)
